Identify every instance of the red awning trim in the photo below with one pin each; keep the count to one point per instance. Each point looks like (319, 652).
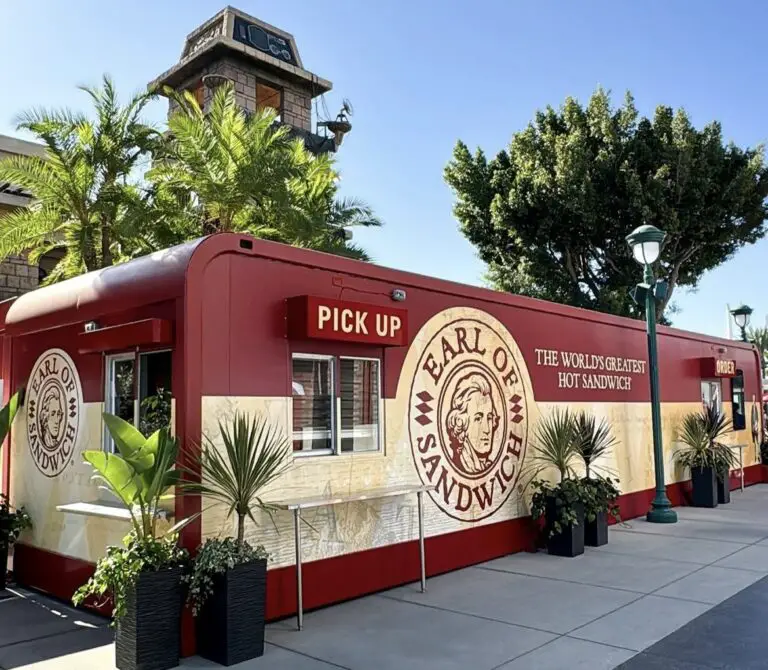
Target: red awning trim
(149, 332)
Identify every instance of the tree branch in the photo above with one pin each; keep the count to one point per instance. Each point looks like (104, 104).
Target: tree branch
(672, 279)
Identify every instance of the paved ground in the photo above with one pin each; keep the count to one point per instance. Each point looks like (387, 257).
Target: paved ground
(688, 596)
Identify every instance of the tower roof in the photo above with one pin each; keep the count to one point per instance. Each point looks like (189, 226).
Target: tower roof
(237, 34)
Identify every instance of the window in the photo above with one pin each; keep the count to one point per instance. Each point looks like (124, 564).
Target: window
(711, 395)
(738, 401)
(359, 381)
(313, 396)
(330, 418)
(268, 96)
(198, 93)
(152, 409)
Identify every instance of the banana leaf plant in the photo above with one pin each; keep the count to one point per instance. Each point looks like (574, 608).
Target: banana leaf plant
(7, 415)
(141, 475)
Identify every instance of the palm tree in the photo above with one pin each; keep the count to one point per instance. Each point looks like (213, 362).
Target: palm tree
(759, 337)
(247, 174)
(83, 191)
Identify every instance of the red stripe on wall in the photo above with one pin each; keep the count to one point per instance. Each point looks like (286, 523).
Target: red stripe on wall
(349, 576)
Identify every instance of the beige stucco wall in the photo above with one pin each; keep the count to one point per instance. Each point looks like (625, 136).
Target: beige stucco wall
(83, 537)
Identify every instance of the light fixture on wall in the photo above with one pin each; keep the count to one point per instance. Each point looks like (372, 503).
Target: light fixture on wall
(398, 294)
(90, 326)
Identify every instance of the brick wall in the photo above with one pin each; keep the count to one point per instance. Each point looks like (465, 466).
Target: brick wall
(17, 277)
(297, 100)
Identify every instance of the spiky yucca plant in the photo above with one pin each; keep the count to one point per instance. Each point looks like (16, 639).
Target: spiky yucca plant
(254, 454)
(702, 434)
(594, 439)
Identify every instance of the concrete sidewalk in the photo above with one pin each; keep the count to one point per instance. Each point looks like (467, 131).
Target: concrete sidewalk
(523, 611)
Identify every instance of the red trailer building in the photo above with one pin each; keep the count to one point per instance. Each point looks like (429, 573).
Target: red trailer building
(381, 378)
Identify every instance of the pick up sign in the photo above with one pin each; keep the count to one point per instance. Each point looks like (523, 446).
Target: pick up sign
(318, 318)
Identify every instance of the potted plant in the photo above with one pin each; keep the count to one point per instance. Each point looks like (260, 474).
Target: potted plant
(562, 504)
(142, 577)
(12, 522)
(723, 457)
(227, 585)
(594, 441)
(707, 458)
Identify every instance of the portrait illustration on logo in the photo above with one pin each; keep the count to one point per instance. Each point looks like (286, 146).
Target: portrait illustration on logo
(53, 399)
(468, 419)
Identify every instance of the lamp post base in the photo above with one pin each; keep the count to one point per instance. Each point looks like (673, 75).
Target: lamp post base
(661, 513)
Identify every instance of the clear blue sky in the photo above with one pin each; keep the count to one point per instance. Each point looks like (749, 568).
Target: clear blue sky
(422, 74)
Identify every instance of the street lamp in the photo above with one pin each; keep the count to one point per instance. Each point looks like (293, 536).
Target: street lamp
(645, 243)
(741, 316)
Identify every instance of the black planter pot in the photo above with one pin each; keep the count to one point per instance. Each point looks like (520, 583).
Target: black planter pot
(149, 635)
(596, 531)
(704, 483)
(570, 541)
(230, 627)
(724, 491)
(3, 565)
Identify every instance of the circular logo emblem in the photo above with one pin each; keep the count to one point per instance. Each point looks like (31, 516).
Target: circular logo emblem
(54, 398)
(467, 417)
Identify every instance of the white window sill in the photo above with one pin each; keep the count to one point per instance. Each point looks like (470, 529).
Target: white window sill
(98, 509)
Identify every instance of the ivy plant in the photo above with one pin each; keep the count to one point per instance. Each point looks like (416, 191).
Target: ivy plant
(12, 522)
(215, 557)
(118, 572)
(568, 496)
(601, 494)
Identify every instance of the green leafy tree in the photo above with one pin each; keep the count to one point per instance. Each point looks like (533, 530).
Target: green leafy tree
(85, 196)
(549, 215)
(246, 173)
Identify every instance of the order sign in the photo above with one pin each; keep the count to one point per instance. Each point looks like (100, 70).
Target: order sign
(328, 319)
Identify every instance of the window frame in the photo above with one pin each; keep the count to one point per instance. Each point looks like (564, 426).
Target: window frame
(719, 384)
(335, 368)
(380, 408)
(107, 443)
(742, 391)
(281, 91)
(334, 400)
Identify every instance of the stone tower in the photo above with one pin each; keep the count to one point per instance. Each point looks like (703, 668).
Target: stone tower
(16, 275)
(262, 62)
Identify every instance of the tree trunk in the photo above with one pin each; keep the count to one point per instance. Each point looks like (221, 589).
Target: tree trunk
(88, 251)
(106, 243)
(240, 527)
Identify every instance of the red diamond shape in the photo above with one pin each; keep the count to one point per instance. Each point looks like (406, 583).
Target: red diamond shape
(423, 419)
(424, 396)
(517, 419)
